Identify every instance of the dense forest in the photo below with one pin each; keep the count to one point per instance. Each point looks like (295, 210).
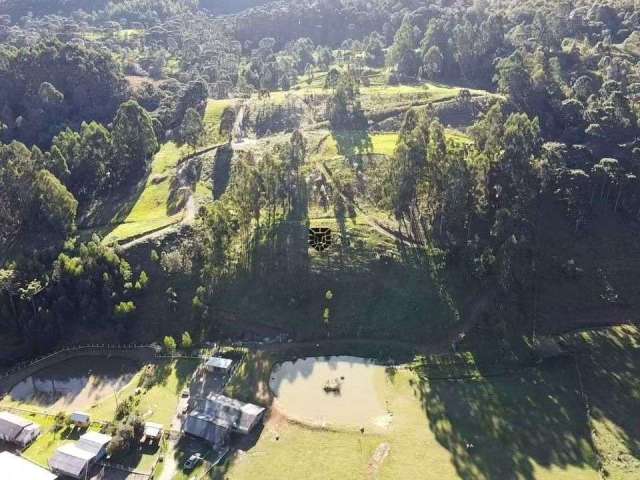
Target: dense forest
(527, 213)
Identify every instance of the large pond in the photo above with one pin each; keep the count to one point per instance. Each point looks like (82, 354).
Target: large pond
(76, 383)
(335, 391)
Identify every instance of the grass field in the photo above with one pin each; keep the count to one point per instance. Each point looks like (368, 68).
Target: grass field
(157, 404)
(150, 212)
(152, 209)
(48, 442)
(611, 376)
(528, 426)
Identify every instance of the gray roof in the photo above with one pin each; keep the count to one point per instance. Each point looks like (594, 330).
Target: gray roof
(13, 466)
(152, 430)
(219, 362)
(200, 425)
(93, 442)
(11, 426)
(230, 413)
(70, 460)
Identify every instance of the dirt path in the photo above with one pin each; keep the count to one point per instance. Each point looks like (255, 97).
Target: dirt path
(170, 467)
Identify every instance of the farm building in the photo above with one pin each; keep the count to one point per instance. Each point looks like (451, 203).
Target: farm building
(75, 459)
(233, 414)
(218, 364)
(80, 419)
(217, 416)
(152, 431)
(13, 466)
(201, 425)
(71, 460)
(17, 430)
(94, 442)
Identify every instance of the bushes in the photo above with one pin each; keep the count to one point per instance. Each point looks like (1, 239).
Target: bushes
(126, 434)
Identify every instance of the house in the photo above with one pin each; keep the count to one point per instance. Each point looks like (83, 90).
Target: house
(152, 431)
(75, 459)
(233, 414)
(216, 417)
(94, 442)
(218, 364)
(72, 461)
(17, 430)
(80, 419)
(201, 425)
(13, 466)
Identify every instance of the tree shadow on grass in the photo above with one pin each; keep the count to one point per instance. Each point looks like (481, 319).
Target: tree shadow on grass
(611, 378)
(499, 428)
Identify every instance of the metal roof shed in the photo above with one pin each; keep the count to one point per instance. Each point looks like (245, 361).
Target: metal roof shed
(15, 429)
(13, 466)
(153, 430)
(218, 363)
(80, 418)
(95, 443)
(71, 461)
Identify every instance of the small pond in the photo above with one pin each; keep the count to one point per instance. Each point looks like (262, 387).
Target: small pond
(337, 391)
(76, 383)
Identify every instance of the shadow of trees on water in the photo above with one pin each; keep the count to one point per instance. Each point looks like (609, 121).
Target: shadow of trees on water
(499, 428)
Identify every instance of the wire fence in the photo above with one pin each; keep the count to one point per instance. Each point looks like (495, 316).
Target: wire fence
(88, 347)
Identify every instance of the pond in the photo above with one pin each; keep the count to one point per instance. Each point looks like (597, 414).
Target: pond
(74, 384)
(334, 391)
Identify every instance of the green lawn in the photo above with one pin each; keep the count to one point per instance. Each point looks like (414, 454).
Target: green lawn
(528, 426)
(48, 442)
(159, 403)
(212, 118)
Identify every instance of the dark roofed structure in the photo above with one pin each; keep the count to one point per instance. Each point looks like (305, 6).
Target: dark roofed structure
(202, 426)
(233, 414)
(216, 416)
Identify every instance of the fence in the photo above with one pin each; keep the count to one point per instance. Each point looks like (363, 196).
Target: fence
(23, 370)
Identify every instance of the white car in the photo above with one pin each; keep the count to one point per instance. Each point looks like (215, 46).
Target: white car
(193, 461)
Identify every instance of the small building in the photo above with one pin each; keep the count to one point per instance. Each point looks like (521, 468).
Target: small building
(95, 443)
(218, 364)
(72, 461)
(15, 467)
(17, 430)
(152, 431)
(80, 419)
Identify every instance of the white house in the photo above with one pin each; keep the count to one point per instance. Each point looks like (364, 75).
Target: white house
(17, 430)
(15, 467)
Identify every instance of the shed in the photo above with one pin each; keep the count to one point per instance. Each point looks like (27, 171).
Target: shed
(215, 364)
(17, 430)
(13, 466)
(80, 419)
(95, 443)
(153, 431)
(71, 460)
